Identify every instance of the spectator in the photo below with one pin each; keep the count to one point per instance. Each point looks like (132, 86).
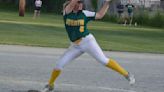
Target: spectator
(120, 10)
(38, 5)
(130, 8)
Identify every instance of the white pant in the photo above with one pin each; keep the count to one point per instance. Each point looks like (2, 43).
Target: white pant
(88, 45)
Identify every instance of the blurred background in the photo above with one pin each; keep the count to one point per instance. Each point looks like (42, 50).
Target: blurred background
(146, 12)
(55, 5)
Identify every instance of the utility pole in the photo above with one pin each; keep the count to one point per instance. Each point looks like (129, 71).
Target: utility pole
(22, 5)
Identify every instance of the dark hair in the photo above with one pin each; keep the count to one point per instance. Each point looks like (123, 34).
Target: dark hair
(80, 1)
(65, 4)
(68, 1)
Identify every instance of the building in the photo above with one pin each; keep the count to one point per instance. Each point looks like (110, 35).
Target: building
(151, 4)
(162, 4)
(145, 3)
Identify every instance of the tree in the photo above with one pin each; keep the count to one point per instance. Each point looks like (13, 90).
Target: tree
(22, 4)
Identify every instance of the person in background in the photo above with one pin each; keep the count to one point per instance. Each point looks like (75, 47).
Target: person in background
(130, 8)
(120, 10)
(38, 5)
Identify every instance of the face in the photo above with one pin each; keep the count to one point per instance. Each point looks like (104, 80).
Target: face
(78, 6)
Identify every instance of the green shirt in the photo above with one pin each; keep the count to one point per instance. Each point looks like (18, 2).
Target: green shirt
(130, 8)
(76, 24)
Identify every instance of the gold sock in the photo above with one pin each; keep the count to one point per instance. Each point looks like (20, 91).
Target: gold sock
(116, 67)
(54, 75)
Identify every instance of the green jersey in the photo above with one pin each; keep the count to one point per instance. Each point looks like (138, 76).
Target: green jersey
(76, 24)
(130, 8)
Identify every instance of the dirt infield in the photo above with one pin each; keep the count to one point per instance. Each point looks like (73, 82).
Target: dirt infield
(23, 68)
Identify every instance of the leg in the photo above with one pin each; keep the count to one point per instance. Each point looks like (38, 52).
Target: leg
(68, 56)
(35, 14)
(125, 19)
(116, 67)
(95, 51)
(39, 13)
(125, 22)
(131, 20)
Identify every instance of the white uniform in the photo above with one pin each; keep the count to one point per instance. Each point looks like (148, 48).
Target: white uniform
(88, 44)
(38, 3)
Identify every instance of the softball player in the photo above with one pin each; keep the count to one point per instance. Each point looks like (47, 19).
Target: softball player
(76, 19)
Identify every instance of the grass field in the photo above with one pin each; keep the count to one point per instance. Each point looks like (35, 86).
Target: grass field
(48, 31)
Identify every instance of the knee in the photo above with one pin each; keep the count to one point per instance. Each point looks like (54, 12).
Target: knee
(59, 67)
(104, 61)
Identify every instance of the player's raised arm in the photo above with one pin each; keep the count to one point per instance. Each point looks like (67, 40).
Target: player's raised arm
(100, 14)
(70, 6)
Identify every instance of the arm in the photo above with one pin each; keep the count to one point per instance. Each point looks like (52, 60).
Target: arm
(133, 6)
(70, 6)
(100, 14)
(41, 3)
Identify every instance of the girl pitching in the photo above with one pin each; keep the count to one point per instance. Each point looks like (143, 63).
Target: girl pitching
(76, 19)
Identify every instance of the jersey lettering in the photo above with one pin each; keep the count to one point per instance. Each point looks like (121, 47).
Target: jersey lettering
(71, 22)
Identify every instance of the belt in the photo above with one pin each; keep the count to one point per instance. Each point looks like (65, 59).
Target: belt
(79, 40)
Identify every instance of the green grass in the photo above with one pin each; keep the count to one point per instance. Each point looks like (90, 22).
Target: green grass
(48, 31)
